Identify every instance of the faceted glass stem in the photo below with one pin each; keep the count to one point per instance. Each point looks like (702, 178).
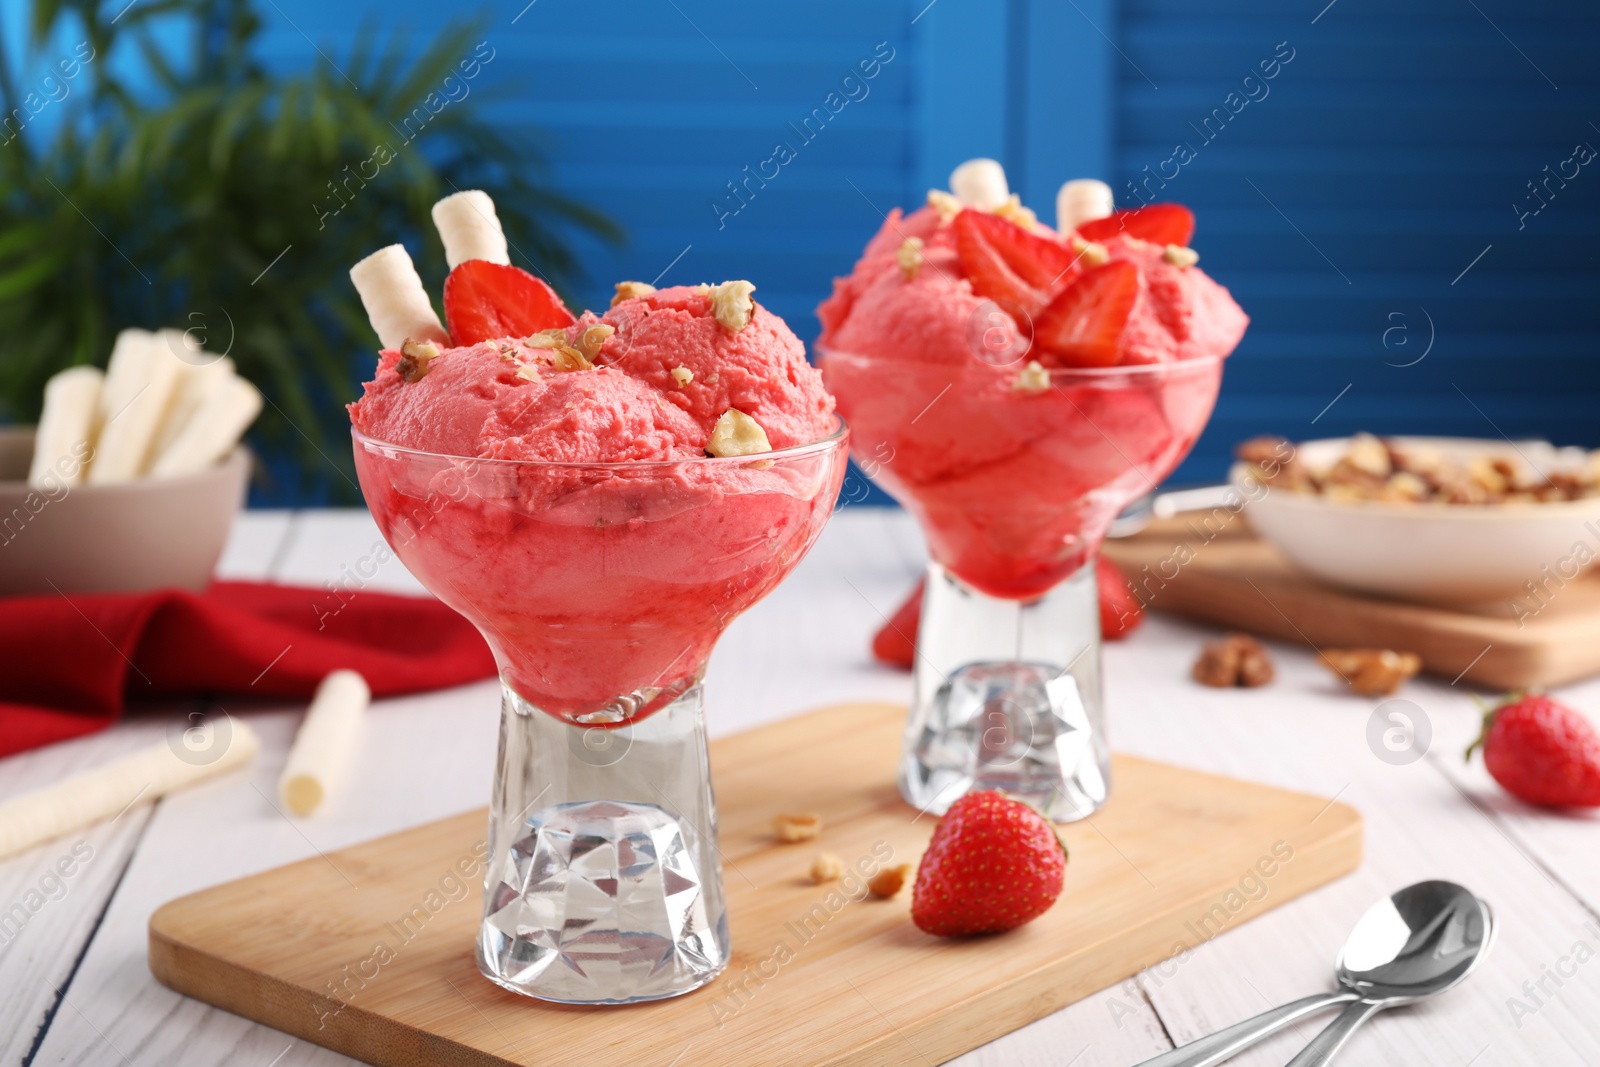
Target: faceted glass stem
(1007, 697)
(603, 884)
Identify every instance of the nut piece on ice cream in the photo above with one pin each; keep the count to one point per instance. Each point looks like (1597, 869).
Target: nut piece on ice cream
(732, 305)
(631, 291)
(910, 257)
(1180, 257)
(682, 375)
(947, 206)
(414, 359)
(737, 434)
(1033, 378)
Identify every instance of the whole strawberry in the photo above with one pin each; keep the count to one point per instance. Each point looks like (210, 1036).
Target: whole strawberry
(992, 865)
(1541, 752)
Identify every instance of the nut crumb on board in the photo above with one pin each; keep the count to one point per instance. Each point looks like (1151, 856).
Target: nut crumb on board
(826, 868)
(790, 828)
(1372, 672)
(889, 881)
(1236, 660)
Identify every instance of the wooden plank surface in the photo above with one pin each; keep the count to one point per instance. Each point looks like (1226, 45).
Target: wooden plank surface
(1176, 858)
(1212, 568)
(430, 755)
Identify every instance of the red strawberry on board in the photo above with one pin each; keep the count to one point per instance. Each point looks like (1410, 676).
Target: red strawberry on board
(1083, 325)
(1120, 614)
(1162, 224)
(993, 864)
(486, 301)
(1541, 752)
(1014, 267)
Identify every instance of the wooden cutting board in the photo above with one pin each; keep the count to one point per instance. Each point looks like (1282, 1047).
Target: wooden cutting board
(1237, 580)
(1175, 858)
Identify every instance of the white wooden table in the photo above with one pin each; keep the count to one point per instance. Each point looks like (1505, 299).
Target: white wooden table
(74, 987)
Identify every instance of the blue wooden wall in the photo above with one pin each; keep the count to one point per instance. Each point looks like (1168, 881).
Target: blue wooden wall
(1348, 204)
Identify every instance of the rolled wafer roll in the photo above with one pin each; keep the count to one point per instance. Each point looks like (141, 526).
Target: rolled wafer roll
(980, 183)
(63, 442)
(212, 432)
(140, 379)
(1082, 200)
(326, 742)
(93, 796)
(202, 379)
(397, 304)
(470, 228)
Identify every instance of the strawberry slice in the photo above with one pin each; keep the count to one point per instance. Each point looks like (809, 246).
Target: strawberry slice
(485, 301)
(1084, 324)
(1163, 224)
(1005, 263)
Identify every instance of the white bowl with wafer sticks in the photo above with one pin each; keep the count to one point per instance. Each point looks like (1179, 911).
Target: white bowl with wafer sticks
(133, 475)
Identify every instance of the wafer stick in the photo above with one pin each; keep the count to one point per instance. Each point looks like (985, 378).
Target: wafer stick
(470, 228)
(105, 792)
(397, 304)
(62, 444)
(140, 380)
(326, 742)
(1082, 200)
(980, 183)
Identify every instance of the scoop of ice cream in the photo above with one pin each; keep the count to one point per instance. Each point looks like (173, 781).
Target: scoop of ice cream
(655, 390)
(672, 340)
(935, 316)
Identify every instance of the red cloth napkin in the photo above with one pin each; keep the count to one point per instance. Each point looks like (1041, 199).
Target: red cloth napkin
(69, 664)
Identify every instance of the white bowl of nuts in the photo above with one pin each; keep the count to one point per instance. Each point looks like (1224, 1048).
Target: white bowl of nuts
(1490, 526)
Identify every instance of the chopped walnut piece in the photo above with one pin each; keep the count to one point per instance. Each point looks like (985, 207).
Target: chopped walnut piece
(1404, 487)
(682, 375)
(1092, 253)
(555, 338)
(826, 868)
(631, 291)
(414, 359)
(889, 881)
(527, 372)
(910, 257)
(1180, 257)
(1275, 462)
(792, 828)
(1013, 211)
(737, 434)
(590, 340)
(945, 204)
(732, 305)
(1372, 672)
(1236, 660)
(567, 358)
(1032, 378)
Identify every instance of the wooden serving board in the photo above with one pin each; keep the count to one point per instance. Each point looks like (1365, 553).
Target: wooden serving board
(1238, 580)
(1175, 858)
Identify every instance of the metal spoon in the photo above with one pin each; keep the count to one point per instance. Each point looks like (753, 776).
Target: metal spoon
(1419, 942)
(1444, 940)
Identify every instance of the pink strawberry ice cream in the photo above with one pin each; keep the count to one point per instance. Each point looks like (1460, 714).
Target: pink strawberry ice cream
(507, 399)
(1014, 397)
(574, 514)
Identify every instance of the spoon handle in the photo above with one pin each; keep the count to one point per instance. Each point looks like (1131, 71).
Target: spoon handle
(1214, 1048)
(1335, 1034)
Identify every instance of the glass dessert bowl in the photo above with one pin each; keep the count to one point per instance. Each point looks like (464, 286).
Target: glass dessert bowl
(601, 589)
(601, 495)
(1014, 388)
